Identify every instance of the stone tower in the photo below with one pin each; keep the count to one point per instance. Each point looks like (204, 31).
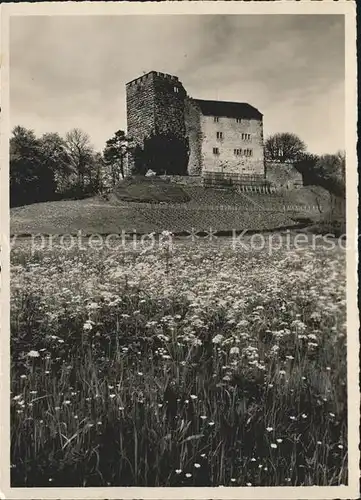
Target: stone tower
(155, 104)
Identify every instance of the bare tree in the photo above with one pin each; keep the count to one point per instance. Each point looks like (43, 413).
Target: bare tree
(80, 153)
(284, 147)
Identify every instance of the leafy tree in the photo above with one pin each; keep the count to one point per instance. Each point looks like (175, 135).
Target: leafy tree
(140, 161)
(284, 147)
(165, 154)
(96, 173)
(328, 171)
(54, 152)
(331, 170)
(115, 152)
(306, 165)
(31, 177)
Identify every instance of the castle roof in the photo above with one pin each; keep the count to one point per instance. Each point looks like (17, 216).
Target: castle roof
(228, 109)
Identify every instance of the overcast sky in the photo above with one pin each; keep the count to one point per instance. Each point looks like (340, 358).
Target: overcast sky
(68, 72)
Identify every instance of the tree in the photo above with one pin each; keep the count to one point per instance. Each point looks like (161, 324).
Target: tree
(54, 152)
(306, 165)
(165, 154)
(328, 171)
(284, 147)
(31, 177)
(96, 173)
(331, 170)
(114, 154)
(80, 153)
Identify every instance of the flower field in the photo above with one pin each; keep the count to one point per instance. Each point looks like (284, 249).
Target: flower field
(191, 365)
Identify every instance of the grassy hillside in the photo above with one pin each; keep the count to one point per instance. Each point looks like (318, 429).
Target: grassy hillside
(148, 189)
(183, 208)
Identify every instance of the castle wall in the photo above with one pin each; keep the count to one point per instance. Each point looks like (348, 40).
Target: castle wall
(155, 104)
(227, 160)
(169, 105)
(194, 134)
(140, 111)
(283, 175)
(158, 103)
(184, 180)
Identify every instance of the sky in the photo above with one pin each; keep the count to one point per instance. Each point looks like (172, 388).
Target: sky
(71, 71)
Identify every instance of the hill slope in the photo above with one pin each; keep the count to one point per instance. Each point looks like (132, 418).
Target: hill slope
(149, 189)
(206, 208)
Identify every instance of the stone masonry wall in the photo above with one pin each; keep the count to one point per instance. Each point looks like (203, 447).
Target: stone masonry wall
(155, 104)
(283, 175)
(158, 102)
(227, 160)
(140, 111)
(169, 105)
(194, 134)
(184, 180)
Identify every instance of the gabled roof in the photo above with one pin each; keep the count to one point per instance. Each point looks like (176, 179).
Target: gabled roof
(228, 109)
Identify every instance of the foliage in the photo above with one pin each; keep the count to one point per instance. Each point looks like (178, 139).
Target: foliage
(115, 152)
(284, 147)
(163, 153)
(328, 171)
(50, 167)
(178, 366)
(32, 177)
(54, 152)
(331, 169)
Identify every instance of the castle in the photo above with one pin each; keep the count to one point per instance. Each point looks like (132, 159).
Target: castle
(225, 138)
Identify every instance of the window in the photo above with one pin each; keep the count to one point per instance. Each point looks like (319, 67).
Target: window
(237, 152)
(248, 152)
(219, 135)
(215, 151)
(176, 90)
(246, 137)
(238, 120)
(216, 119)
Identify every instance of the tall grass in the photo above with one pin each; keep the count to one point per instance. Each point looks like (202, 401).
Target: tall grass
(199, 367)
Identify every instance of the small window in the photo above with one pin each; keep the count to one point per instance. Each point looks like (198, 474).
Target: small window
(238, 120)
(216, 119)
(215, 151)
(176, 90)
(219, 135)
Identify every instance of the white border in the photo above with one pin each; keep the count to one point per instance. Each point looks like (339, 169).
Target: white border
(214, 7)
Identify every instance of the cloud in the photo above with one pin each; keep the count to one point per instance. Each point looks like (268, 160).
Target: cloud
(70, 72)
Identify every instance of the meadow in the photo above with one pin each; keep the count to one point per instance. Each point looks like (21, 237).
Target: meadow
(181, 365)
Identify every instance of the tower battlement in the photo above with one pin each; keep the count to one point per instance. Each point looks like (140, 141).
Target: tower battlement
(150, 75)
